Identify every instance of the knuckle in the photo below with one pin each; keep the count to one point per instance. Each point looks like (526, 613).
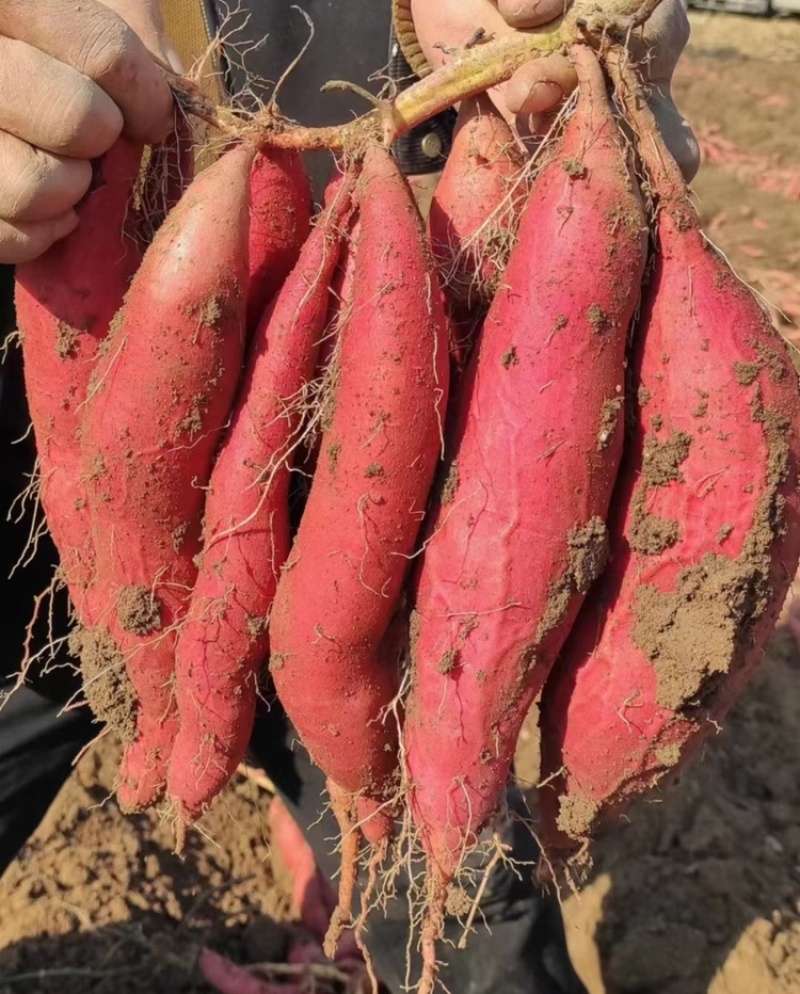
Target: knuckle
(103, 48)
(15, 247)
(35, 170)
(21, 180)
(88, 122)
(58, 111)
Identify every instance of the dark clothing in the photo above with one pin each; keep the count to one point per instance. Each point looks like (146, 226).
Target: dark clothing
(524, 952)
(351, 42)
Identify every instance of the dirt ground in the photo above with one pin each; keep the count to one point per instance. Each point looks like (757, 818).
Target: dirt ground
(698, 891)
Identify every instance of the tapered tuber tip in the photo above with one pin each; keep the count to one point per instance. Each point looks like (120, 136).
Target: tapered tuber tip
(665, 174)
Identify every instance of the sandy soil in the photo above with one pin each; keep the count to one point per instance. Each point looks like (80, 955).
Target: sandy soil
(698, 892)
(97, 901)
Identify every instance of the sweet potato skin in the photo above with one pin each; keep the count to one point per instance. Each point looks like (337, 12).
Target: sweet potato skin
(280, 220)
(224, 639)
(158, 404)
(65, 302)
(519, 534)
(705, 543)
(341, 584)
(476, 205)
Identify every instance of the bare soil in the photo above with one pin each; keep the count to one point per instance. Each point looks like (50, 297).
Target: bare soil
(698, 892)
(98, 901)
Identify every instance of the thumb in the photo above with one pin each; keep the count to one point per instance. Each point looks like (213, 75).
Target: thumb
(144, 17)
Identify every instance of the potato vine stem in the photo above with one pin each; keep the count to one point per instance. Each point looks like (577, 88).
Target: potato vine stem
(473, 71)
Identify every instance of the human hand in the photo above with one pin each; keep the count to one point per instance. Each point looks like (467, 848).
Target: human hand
(529, 99)
(73, 77)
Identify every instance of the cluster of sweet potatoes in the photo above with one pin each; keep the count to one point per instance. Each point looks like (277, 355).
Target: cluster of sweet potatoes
(551, 445)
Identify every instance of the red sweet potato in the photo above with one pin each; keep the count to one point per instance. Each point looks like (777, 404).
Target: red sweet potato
(158, 404)
(341, 305)
(342, 293)
(246, 530)
(65, 302)
(476, 206)
(519, 534)
(705, 540)
(280, 217)
(340, 588)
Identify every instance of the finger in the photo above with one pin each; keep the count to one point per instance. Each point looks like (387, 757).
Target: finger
(99, 44)
(24, 241)
(145, 19)
(52, 106)
(678, 136)
(37, 185)
(530, 13)
(423, 186)
(442, 27)
(540, 86)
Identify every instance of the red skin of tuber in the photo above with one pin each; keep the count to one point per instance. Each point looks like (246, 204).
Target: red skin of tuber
(280, 219)
(159, 402)
(340, 309)
(519, 534)
(476, 205)
(65, 301)
(704, 542)
(246, 530)
(342, 582)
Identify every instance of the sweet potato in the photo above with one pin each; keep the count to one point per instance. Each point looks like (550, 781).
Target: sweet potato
(341, 305)
(65, 302)
(476, 206)
(158, 404)
(519, 534)
(340, 588)
(706, 538)
(280, 217)
(342, 296)
(246, 530)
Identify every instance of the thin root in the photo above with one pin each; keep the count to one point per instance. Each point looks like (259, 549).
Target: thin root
(342, 917)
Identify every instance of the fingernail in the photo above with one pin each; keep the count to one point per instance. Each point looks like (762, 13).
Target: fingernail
(540, 97)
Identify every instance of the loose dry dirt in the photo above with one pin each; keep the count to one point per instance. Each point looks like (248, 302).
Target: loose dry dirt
(697, 893)
(97, 900)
